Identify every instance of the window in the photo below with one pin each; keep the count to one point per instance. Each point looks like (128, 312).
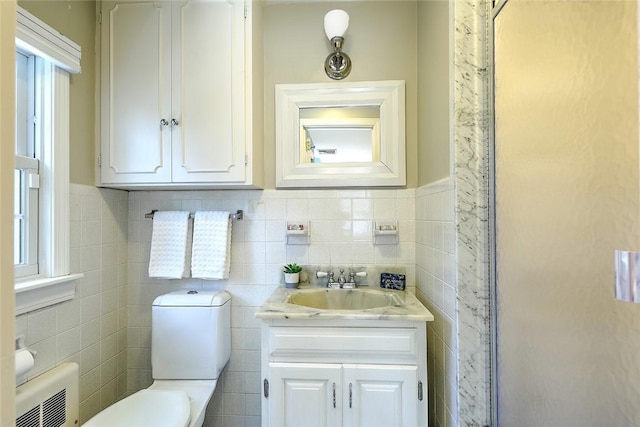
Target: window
(26, 175)
(44, 59)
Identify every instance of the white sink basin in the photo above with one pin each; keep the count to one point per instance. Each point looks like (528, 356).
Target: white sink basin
(343, 299)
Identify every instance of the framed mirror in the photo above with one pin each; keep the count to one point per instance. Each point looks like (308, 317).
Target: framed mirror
(340, 134)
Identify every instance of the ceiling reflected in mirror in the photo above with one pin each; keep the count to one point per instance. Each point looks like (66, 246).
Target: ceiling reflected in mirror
(337, 140)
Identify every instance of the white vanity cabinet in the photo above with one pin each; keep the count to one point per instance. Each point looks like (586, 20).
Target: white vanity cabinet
(177, 94)
(344, 373)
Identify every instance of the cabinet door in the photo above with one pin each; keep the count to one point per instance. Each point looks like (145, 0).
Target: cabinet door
(380, 396)
(305, 394)
(136, 91)
(208, 75)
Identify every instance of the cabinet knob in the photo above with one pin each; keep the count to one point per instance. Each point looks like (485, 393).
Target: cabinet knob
(174, 122)
(164, 123)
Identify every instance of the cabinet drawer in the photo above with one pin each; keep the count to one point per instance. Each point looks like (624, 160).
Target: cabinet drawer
(399, 344)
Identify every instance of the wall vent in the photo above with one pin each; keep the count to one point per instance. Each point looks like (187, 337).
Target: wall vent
(51, 399)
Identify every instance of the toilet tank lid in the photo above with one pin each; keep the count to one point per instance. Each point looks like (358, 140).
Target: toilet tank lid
(192, 298)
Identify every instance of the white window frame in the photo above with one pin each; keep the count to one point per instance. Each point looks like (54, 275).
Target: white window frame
(53, 283)
(27, 163)
(29, 168)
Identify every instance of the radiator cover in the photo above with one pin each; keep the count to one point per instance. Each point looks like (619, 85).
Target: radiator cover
(51, 399)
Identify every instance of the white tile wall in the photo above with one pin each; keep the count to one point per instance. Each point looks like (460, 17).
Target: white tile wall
(341, 225)
(91, 329)
(107, 328)
(436, 288)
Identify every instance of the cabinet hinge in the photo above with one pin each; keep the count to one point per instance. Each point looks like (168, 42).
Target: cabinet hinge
(99, 17)
(99, 160)
(245, 12)
(420, 391)
(265, 385)
(246, 160)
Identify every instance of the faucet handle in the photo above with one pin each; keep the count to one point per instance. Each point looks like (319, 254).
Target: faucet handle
(353, 274)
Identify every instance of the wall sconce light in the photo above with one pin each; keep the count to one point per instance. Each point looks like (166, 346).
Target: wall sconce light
(338, 64)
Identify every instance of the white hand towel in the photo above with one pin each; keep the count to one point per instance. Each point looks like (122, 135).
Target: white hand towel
(170, 245)
(211, 256)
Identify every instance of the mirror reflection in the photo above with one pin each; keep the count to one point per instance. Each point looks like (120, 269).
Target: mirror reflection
(344, 134)
(340, 141)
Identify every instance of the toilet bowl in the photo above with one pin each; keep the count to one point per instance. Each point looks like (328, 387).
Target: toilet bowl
(190, 345)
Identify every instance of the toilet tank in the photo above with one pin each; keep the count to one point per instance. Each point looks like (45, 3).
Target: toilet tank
(190, 335)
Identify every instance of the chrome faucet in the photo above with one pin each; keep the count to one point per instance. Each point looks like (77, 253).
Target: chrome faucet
(342, 280)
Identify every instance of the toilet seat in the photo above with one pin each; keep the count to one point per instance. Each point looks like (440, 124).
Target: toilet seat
(157, 408)
(199, 392)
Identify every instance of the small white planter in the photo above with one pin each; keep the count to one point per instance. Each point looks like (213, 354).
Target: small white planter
(291, 280)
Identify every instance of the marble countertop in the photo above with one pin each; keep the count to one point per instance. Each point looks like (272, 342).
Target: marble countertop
(409, 307)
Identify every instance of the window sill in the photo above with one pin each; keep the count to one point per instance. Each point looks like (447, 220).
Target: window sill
(43, 292)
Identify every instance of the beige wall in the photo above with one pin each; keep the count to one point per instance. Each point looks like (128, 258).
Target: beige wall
(7, 120)
(381, 35)
(381, 41)
(567, 196)
(434, 89)
(76, 20)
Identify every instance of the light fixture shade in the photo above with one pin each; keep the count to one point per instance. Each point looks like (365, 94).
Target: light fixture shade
(336, 22)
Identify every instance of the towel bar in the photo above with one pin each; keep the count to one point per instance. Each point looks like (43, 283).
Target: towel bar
(239, 215)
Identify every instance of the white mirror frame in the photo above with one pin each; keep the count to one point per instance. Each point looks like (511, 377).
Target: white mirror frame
(389, 171)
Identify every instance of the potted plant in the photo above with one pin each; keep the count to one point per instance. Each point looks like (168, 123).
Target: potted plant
(292, 275)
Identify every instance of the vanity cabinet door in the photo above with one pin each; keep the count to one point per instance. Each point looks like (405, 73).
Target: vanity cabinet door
(305, 394)
(380, 395)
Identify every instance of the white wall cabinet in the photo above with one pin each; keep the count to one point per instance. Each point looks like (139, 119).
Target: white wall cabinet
(335, 374)
(177, 94)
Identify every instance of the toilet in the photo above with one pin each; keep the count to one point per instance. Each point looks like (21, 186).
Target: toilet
(190, 344)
